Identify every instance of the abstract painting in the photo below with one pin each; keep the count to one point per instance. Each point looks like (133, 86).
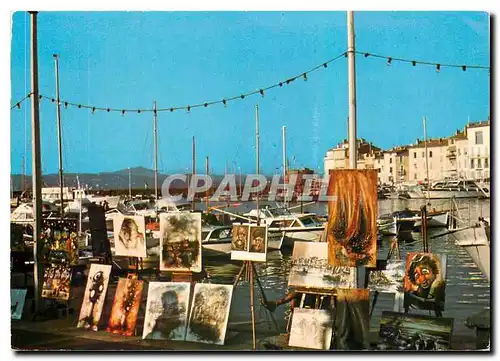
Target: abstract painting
(129, 236)
(425, 281)
(17, 298)
(352, 319)
(56, 282)
(389, 280)
(125, 306)
(209, 313)
(60, 241)
(180, 242)
(310, 268)
(167, 311)
(255, 248)
(352, 218)
(94, 296)
(399, 331)
(311, 329)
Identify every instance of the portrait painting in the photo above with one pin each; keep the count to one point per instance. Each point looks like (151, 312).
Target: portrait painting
(56, 282)
(311, 329)
(240, 238)
(209, 313)
(167, 311)
(406, 332)
(125, 306)
(310, 268)
(352, 218)
(129, 234)
(94, 296)
(389, 280)
(255, 248)
(17, 298)
(352, 319)
(425, 281)
(180, 242)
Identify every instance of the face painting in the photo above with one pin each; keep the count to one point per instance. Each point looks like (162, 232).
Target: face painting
(424, 276)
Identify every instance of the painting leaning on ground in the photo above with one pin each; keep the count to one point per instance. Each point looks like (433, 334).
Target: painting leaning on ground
(352, 218)
(209, 313)
(400, 331)
(125, 306)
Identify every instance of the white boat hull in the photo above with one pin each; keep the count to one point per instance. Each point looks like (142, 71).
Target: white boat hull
(304, 236)
(475, 241)
(439, 220)
(219, 248)
(437, 194)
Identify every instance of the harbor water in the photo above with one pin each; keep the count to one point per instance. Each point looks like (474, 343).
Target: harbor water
(467, 289)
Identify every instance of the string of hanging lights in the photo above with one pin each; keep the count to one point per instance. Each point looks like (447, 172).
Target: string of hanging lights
(261, 91)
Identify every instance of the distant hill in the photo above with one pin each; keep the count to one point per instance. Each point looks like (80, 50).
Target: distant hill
(140, 177)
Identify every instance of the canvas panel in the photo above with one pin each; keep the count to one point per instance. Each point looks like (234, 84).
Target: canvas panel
(352, 218)
(125, 306)
(94, 296)
(129, 235)
(56, 282)
(180, 242)
(209, 313)
(311, 329)
(17, 298)
(425, 281)
(310, 268)
(399, 331)
(390, 280)
(167, 311)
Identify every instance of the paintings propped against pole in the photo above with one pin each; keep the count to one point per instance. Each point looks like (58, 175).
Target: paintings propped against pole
(59, 242)
(129, 236)
(311, 329)
(399, 331)
(94, 296)
(180, 242)
(352, 218)
(17, 298)
(125, 306)
(425, 281)
(389, 280)
(352, 319)
(56, 281)
(167, 311)
(310, 268)
(255, 248)
(209, 313)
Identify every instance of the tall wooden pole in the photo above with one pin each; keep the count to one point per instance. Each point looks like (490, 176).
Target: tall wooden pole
(257, 150)
(129, 183)
(36, 163)
(193, 172)
(351, 48)
(427, 162)
(59, 133)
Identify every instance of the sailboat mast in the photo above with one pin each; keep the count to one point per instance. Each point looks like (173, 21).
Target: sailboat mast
(283, 135)
(427, 162)
(206, 193)
(257, 150)
(59, 133)
(155, 130)
(193, 172)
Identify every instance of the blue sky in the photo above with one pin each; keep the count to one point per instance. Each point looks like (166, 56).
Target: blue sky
(129, 59)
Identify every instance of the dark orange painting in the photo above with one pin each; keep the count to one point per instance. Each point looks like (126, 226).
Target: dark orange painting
(352, 218)
(125, 306)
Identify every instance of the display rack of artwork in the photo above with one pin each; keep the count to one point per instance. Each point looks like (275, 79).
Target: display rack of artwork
(94, 296)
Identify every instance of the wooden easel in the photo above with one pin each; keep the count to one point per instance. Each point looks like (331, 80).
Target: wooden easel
(251, 275)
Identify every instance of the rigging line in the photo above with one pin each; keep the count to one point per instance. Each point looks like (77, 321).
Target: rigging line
(366, 54)
(204, 104)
